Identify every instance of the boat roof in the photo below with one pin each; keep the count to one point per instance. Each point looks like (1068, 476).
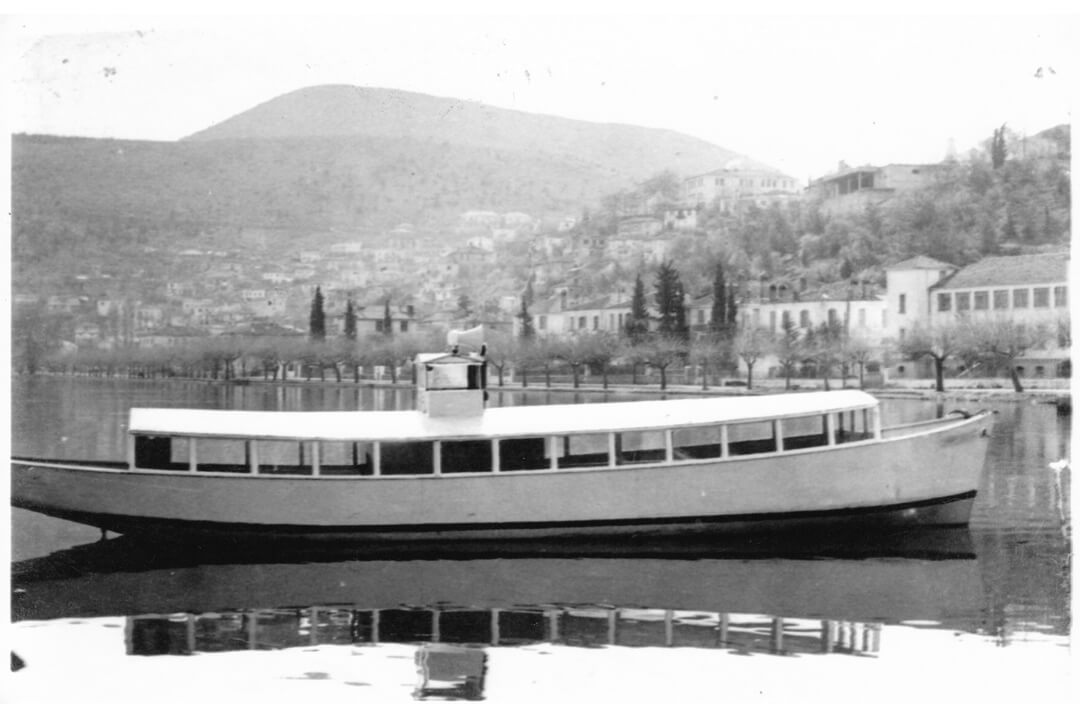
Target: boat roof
(523, 421)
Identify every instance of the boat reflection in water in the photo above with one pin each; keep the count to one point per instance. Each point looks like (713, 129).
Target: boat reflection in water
(815, 598)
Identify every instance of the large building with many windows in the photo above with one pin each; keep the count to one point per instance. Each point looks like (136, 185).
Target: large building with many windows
(1029, 288)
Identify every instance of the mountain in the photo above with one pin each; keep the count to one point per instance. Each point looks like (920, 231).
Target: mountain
(341, 111)
(355, 160)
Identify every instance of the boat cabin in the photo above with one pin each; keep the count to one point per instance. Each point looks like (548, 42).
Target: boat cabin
(454, 435)
(450, 385)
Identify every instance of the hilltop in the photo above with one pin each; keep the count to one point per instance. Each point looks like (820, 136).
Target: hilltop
(342, 111)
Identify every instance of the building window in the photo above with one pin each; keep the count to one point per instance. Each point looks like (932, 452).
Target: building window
(862, 317)
(581, 322)
(1041, 298)
(1061, 296)
(1020, 298)
(804, 318)
(982, 300)
(963, 302)
(404, 326)
(832, 316)
(944, 302)
(1001, 299)
(903, 304)
(701, 317)
(542, 322)
(772, 321)
(757, 317)
(785, 319)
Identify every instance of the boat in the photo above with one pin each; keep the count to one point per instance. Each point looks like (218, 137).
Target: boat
(456, 469)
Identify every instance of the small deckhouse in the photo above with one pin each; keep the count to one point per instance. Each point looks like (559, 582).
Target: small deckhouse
(450, 385)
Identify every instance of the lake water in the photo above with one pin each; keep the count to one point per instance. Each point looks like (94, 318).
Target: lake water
(915, 618)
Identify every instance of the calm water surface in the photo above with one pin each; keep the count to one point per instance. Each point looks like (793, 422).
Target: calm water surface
(651, 621)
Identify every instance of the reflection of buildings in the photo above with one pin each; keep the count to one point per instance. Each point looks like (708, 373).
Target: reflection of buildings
(587, 626)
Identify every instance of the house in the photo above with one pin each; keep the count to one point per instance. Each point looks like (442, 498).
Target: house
(907, 291)
(681, 218)
(1029, 289)
(149, 316)
(87, 333)
(738, 179)
(640, 225)
(557, 316)
(851, 190)
(168, 337)
(858, 307)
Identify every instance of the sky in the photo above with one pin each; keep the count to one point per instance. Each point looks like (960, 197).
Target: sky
(801, 93)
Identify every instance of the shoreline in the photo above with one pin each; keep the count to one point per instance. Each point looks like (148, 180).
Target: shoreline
(975, 392)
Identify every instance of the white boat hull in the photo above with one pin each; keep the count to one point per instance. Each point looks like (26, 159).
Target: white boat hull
(927, 478)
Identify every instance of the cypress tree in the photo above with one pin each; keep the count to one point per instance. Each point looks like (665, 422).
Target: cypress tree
(718, 322)
(388, 320)
(527, 329)
(998, 151)
(669, 302)
(317, 322)
(350, 320)
(637, 327)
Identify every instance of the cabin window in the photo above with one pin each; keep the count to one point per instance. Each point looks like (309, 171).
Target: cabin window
(1001, 299)
(281, 457)
(697, 443)
(466, 456)
(214, 455)
(751, 438)
(804, 432)
(582, 450)
(161, 452)
(644, 446)
(523, 454)
(852, 426)
(407, 458)
(345, 458)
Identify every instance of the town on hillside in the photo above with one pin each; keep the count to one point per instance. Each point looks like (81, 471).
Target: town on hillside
(899, 262)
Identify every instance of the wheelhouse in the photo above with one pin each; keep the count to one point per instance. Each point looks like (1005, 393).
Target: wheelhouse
(499, 440)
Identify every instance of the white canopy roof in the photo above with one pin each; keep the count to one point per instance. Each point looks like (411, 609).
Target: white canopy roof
(531, 420)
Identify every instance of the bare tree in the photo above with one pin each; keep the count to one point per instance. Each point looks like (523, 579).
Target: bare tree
(501, 349)
(939, 343)
(660, 352)
(859, 351)
(789, 350)
(1002, 340)
(751, 344)
(711, 349)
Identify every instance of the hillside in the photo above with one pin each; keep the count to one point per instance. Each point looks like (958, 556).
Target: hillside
(343, 111)
(353, 159)
(350, 182)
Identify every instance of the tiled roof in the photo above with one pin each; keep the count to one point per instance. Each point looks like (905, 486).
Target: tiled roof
(921, 262)
(1012, 270)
